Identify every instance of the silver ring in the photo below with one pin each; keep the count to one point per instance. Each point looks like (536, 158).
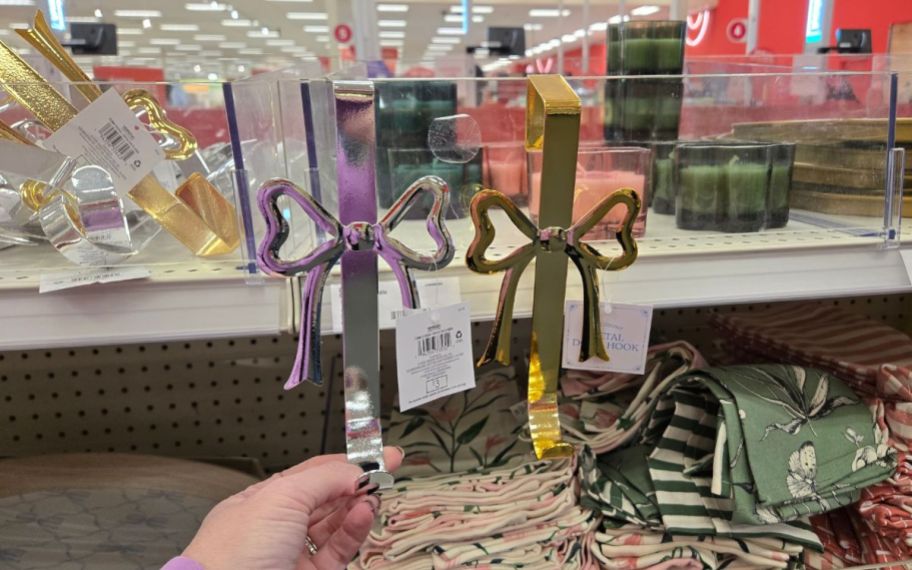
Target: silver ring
(311, 547)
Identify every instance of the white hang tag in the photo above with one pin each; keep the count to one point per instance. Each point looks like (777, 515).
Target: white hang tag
(29, 161)
(433, 293)
(108, 134)
(433, 354)
(626, 333)
(59, 281)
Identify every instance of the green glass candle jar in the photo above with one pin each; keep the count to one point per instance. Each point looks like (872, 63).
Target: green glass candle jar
(747, 186)
(700, 185)
(722, 185)
(408, 165)
(405, 111)
(783, 161)
(662, 188)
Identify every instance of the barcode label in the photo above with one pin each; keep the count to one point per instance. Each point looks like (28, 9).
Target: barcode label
(107, 134)
(122, 148)
(434, 343)
(433, 354)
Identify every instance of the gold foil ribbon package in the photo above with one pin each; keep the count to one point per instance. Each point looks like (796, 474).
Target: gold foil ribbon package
(196, 214)
(552, 127)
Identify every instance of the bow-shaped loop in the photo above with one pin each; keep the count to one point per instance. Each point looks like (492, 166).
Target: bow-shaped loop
(357, 236)
(586, 258)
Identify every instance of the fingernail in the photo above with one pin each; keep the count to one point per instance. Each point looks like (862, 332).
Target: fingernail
(374, 502)
(402, 451)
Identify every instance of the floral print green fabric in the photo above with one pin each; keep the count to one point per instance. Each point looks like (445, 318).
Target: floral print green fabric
(470, 430)
(760, 445)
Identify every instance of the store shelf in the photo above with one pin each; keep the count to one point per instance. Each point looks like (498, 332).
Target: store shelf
(183, 299)
(192, 298)
(814, 257)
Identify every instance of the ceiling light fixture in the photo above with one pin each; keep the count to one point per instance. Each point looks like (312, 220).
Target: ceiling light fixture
(149, 50)
(210, 53)
(533, 27)
(197, 68)
(212, 77)
(232, 45)
(475, 9)
(210, 37)
(205, 7)
(81, 19)
(316, 29)
(644, 10)
(392, 7)
(234, 23)
(179, 28)
(234, 15)
(307, 16)
(129, 32)
(393, 35)
(146, 24)
(322, 39)
(164, 42)
(598, 27)
(391, 23)
(279, 43)
(138, 13)
(189, 47)
(440, 40)
(392, 43)
(126, 44)
(17, 2)
(579, 33)
(260, 34)
(450, 31)
(251, 52)
(568, 38)
(292, 1)
(548, 13)
(617, 19)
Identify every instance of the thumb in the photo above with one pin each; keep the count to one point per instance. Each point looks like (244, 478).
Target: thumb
(312, 488)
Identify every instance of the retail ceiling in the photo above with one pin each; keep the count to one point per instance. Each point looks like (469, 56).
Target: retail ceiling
(209, 36)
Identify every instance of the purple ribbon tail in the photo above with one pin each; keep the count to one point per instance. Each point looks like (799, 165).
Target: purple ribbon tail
(307, 364)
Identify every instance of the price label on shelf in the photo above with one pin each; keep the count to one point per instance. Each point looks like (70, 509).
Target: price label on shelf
(108, 134)
(433, 293)
(625, 329)
(59, 281)
(433, 354)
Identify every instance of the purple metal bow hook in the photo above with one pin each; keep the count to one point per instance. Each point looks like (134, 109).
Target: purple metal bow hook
(357, 236)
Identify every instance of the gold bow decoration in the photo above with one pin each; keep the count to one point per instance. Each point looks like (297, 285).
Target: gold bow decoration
(190, 221)
(552, 125)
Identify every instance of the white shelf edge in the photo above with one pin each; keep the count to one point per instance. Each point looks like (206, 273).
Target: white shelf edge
(702, 279)
(140, 311)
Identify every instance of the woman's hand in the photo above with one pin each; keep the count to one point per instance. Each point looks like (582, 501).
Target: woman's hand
(266, 526)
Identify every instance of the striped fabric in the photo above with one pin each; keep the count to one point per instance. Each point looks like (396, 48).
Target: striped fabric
(520, 517)
(605, 410)
(845, 343)
(633, 548)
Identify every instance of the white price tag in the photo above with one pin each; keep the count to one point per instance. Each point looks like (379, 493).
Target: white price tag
(58, 281)
(434, 354)
(108, 134)
(625, 330)
(433, 293)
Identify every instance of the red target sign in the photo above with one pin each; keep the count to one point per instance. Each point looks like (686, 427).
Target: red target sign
(343, 33)
(737, 30)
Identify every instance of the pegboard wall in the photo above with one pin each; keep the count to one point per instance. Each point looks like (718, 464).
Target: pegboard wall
(224, 398)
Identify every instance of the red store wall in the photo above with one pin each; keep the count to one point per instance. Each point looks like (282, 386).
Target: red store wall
(782, 24)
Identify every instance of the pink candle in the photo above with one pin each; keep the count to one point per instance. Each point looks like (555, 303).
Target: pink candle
(506, 176)
(591, 187)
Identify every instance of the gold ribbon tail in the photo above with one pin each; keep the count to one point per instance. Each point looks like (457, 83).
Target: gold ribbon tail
(498, 347)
